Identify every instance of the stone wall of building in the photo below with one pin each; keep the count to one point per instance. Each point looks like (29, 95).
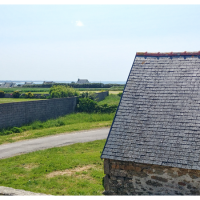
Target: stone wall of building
(20, 113)
(129, 178)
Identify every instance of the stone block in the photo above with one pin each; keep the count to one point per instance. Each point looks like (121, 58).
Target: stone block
(158, 178)
(106, 166)
(106, 183)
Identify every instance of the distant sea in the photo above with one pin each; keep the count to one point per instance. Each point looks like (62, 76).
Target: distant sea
(40, 82)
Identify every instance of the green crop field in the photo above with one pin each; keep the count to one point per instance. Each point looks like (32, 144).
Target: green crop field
(113, 90)
(12, 100)
(112, 99)
(71, 170)
(24, 90)
(96, 91)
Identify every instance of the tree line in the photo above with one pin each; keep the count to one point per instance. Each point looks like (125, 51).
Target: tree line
(74, 85)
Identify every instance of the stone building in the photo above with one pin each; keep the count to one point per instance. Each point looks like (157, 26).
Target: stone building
(28, 83)
(153, 147)
(82, 81)
(8, 85)
(48, 82)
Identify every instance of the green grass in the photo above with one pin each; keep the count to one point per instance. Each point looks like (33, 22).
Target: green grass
(23, 90)
(30, 171)
(112, 99)
(114, 88)
(46, 90)
(96, 91)
(12, 100)
(68, 123)
(40, 92)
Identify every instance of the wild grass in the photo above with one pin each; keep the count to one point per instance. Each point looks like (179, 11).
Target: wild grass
(68, 123)
(112, 99)
(68, 120)
(32, 171)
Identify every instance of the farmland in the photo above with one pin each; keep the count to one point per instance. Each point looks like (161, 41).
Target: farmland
(12, 100)
(46, 90)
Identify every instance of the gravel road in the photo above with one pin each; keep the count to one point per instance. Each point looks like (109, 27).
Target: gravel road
(25, 146)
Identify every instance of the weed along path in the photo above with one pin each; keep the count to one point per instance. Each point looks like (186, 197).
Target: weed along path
(26, 146)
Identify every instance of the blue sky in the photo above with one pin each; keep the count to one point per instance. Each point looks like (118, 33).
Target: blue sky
(96, 42)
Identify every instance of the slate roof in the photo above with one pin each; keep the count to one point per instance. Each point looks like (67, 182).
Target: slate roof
(8, 84)
(82, 81)
(158, 118)
(28, 83)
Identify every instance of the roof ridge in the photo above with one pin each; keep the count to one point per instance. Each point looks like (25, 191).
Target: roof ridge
(185, 53)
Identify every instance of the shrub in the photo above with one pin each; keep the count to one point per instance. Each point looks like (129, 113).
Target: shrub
(60, 91)
(84, 95)
(89, 105)
(29, 95)
(42, 96)
(119, 94)
(48, 97)
(16, 94)
(86, 105)
(37, 125)
(60, 123)
(89, 95)
(16, 130)
(2, 94)
(6, 132)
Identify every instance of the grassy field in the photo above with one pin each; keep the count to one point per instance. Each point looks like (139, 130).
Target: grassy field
(115, 92)
(96, 91)
(71, 170)
(68, 123)
(12, 100)
(46, 90)
(112, 99)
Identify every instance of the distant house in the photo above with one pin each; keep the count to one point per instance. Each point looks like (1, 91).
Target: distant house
(8, 85)
(153, 147)
(48, 82)
(82, 81)
(28, 83)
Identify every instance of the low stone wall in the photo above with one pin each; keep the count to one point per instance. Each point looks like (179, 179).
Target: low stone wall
(8, 96)
(101, 96)
(129, 178)
(20, 113)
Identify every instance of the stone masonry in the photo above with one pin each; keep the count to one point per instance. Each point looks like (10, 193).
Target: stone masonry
(130, 178)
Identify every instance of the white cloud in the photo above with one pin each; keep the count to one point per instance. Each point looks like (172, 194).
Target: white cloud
(79, 23)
